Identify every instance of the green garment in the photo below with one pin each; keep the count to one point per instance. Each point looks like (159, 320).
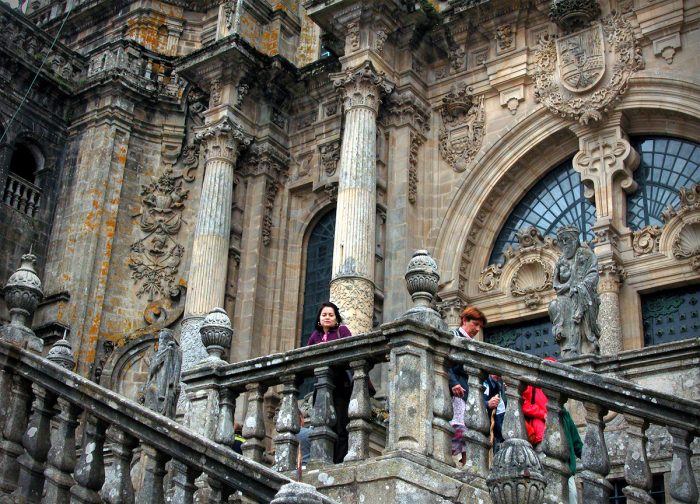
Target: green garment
(575, 444)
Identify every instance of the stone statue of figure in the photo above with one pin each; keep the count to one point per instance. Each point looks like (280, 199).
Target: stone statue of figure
(163, 383)
(574, 313)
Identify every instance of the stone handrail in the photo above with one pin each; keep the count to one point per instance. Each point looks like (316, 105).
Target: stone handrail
(31, 463)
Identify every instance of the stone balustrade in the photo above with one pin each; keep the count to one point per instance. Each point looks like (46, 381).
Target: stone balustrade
(36, 466)
(21, 195)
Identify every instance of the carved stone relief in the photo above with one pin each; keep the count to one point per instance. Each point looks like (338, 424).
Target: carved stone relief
(505, 37)
(457, 59)
(154, 260)
(646, 240)
(215, 95)
(686, 243)
(416, 142)
(229, 13)
(379, 41)
(581, 75)
(330, 155)
(490, 278)
(354, 35)
(462, 131)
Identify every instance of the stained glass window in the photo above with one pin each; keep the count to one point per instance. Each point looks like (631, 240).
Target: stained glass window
(319, 265)
(671, 315)
(666, 165)
(555, 201)
(533, 337)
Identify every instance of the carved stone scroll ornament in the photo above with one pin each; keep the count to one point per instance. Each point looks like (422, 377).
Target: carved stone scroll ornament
(462, 131)
(533, 277)
(582, 75)
(154, 260)
(646, 240)
(490, 278)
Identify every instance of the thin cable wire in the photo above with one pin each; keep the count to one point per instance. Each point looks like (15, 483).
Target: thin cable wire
(36, 76)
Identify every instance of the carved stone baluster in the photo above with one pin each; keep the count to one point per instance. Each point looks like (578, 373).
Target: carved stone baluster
(23, 199)
(224, 426)
(683, 486)
(15, 425)
(9, 190)
(359, 413)
(153, 463)
(286, 444)
(514, 421)
(16, 195)
(254, 425)
(323, 418)
(31, 203)
(637, 470)
(118, 488)
(90, 472)
(219, 493)
(183, 482)
(594, 459)
(36, 442)
(442, 412)
(556, 448)
(477, 427)
(61, 458)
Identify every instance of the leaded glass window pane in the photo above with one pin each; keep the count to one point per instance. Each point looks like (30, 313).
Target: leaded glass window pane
(533, 337)
(671, 315)
(666, 165)
(319, 265)
(555, 201)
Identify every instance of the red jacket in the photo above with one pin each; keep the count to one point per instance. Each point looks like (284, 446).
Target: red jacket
(535, 412)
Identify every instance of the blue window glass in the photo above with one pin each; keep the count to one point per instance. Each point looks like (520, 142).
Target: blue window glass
(671, 315)
(555, 201)
(319, 265)
(533, 337)
(666, 165)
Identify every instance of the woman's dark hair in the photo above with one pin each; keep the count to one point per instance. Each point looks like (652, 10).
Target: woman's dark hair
(328, 304)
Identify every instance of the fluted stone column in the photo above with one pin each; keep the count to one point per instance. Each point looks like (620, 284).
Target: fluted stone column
(221, 144)
(352, 287)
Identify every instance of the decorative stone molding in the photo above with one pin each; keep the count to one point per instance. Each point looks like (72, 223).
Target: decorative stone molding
(229, 13)
(215, 92)
(532, 277)
(405, 108)
(154, 260)
(222, 140)
(380, 39)
(666, 47)
(462, 131)
(354, 35)
(512, 97)
(416, 142)
(585, 93)
(331, 191)
(458, 62)
(271, 189)
(680, 236)
(490, 278)
(505, 37)
(362, 87)
(690, 201)
(646, 240)
(687, 243)
(330, 155)
(355, 296)
(572, 14)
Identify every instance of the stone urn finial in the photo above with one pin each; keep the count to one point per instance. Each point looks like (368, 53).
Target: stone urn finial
(516, 475)
(22, 295)
(23, 292)
(216, 333)
(61, 353)
(422, 279)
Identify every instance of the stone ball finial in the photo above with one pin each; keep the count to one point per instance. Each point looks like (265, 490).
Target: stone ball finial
(216, 333)
(61, 353)
(516, 475)
(23, 292)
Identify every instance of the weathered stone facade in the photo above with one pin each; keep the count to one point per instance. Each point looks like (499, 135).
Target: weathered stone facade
(182, 154)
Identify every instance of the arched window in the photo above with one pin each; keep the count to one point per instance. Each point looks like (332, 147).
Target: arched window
(555, 201)
(319, 265)
(666, 165)
(23, 163)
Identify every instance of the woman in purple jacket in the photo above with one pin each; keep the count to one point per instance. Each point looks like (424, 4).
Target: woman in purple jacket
(329, 328)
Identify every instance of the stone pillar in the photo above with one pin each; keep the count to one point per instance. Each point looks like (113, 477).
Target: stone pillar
(606, 161)
(352, 287)
(221, 144)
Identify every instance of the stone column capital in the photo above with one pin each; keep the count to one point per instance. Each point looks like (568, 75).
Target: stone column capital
(612, 274)
(362, 87)
(222, 140)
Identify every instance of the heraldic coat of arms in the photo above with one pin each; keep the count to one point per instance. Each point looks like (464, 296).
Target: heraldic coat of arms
(582, 74)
